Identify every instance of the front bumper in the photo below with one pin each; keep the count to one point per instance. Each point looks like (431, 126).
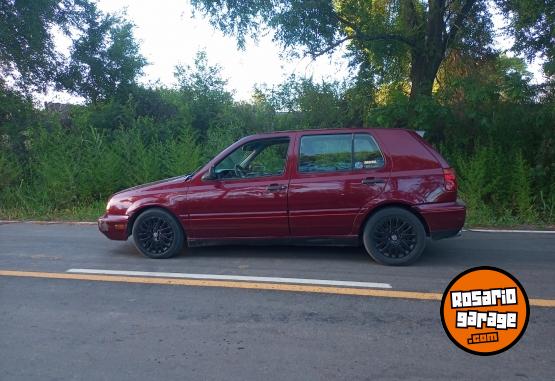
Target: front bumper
(444, 219)
(114, 226)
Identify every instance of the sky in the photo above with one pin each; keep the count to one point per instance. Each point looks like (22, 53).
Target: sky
(169, 34)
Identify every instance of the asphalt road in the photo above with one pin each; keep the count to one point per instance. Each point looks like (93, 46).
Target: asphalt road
(82, 329)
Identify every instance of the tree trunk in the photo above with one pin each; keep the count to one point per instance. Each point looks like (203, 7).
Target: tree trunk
(427, 54)
(423, 71)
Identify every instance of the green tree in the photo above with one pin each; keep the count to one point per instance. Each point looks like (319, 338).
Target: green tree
(17, 114)
(105, 61)
(414, 36)
(28, 56)
(306, 104)
(533, 25)
(204, 90)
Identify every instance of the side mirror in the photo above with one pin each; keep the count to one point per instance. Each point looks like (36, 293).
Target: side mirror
(210, 175)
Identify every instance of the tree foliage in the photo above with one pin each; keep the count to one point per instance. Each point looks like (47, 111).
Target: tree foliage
(204, 88)
(104, 58)
(533, 24)
(28, 55)
(411, 36)
(105, 61)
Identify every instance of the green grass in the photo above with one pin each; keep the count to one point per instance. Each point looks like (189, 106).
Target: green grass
(88, 212)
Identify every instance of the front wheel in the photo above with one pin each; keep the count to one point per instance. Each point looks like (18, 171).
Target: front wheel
(394, 236)
(157, 234)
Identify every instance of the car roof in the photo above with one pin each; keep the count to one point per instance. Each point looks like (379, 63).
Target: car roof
(317, 131)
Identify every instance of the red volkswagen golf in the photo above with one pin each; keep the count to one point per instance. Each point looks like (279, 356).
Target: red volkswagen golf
(386, 189)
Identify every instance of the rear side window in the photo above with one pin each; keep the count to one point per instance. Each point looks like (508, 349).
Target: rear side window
(326, 153)
(339, 152)
(366, 154)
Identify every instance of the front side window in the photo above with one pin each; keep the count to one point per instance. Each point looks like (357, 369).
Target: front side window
(254, 159)
(325, 153)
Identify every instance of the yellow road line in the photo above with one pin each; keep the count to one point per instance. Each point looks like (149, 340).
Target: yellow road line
(247, 285)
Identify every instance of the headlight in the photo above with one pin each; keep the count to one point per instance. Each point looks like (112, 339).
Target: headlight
(116, 205)
(109, 205)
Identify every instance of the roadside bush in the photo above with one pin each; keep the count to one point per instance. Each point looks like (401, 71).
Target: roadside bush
(501, 144)
(70, 168)
(10, 168)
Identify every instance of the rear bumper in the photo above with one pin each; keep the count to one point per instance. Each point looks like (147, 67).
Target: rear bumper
(113, 227)
(444, 220)
(445, 234)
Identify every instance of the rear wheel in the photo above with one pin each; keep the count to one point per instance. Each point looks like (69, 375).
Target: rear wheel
(394, 236)
(157, 234)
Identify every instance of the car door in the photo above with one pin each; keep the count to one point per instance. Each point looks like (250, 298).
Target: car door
(336, 177)
(248, 197)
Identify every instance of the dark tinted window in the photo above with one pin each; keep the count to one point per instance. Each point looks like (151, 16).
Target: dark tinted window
(367, 155)
(325, 153)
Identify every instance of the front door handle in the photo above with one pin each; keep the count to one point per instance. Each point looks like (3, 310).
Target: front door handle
(276, 187)
(372, 181)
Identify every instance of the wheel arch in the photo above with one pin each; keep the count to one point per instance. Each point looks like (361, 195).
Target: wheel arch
(407, 207)
(137, 212)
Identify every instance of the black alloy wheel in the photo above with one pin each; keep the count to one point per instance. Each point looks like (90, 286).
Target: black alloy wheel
(157, 234)
(394, 236)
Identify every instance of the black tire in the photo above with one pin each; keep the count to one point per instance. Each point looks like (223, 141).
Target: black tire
(157, 234)
(394, 236)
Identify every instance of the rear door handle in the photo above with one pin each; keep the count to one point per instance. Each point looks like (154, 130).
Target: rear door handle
(276, 187)
(372, 181)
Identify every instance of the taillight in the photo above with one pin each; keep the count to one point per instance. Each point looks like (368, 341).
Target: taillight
(450, 179)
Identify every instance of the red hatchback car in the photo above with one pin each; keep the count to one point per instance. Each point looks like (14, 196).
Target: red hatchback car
(386, 189)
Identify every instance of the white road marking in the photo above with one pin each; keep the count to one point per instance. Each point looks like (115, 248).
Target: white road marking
(321, 282)
(512, 231)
